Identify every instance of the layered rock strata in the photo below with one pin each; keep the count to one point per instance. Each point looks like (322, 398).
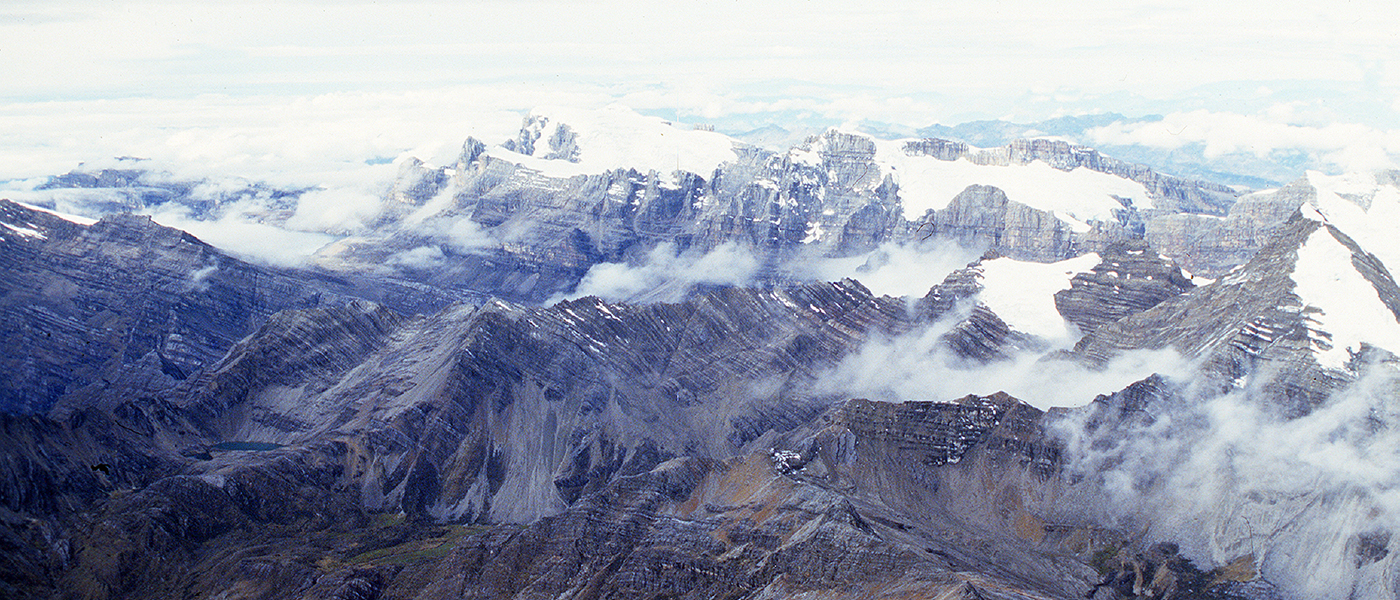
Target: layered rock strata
(126, 304)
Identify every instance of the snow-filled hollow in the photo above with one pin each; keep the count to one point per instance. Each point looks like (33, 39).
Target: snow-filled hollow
(1023, 294)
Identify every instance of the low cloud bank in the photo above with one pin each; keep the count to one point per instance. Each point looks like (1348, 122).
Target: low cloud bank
(1282, 132)
(340, 211)
(1316, 499)
(248, 239)
(920, 366)
(665, 275)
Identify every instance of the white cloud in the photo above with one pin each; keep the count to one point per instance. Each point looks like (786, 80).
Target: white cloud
(1228, 475)
(876, 60)
(422, 257)
(918, 366)
(899, 270)
(199, 278)
(465, 235)
(665, 275)
(1343, 146)
(339, 211)
(247, 239)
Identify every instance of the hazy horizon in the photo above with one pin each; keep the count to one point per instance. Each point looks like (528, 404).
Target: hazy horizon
(327, 95)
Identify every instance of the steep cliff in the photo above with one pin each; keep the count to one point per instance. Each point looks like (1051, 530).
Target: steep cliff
(1130, 278)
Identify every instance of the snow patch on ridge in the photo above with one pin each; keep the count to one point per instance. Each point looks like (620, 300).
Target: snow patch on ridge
(1362, 208)
(65, 216)
(27, 232)
(1351, 309)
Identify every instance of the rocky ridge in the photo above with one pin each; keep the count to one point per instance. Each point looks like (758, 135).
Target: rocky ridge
(527, 219)
(492, 448)
(536, 229)
(126, 304)
(1254, 317)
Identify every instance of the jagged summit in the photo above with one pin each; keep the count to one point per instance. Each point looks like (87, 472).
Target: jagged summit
(575, 189)
(561, 142)
(578, 189)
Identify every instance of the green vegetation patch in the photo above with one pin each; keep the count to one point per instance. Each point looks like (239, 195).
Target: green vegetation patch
(1102, 560)
(433, 548)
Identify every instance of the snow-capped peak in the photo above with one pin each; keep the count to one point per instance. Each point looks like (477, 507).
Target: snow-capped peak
(929, 182)
(1341, 301)
(564, 142)
(1364, 206)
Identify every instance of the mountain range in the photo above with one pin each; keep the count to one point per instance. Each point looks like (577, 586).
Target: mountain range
(616, 358)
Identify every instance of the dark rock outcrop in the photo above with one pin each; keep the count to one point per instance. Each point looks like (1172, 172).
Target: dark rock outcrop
(975, 332)
(982, 216)
(1131, 278)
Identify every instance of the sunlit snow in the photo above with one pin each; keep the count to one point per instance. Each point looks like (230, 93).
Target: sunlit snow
(1364, 210)
(615, 137)
(1352, 311)
(928, 183)
(1023, 293)
(65, 216)
(25, 231)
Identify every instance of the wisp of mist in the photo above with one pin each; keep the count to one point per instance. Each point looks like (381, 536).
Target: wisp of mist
(1315, 499)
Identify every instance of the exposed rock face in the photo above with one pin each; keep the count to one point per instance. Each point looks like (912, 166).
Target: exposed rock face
(53, 473)
(1249, 320)
(513, 412)
(869, 499)
(933, 499)
(536, 234)
(1161, 572)
(1132, 278)
(492, 413)
(496, 223)
(500, 411)
(504, 413)
(977, 332)
(981, 216)
(127, 304)
(542, 234)
(495, 449)
(1209, 245)
(416, 184)
(736, 529)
